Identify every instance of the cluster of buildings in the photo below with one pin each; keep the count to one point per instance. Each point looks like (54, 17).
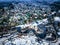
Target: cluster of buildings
(27, 13)
(36, 24)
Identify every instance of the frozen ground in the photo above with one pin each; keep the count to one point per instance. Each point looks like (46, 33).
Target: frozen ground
(25, 40)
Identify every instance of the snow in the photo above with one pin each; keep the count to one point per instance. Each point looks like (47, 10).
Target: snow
(53, 12)
(26, 40)
(45, 21)
(58, 33)
(57, 19)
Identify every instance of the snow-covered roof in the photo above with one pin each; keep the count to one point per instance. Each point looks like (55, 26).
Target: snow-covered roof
(57, 19)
